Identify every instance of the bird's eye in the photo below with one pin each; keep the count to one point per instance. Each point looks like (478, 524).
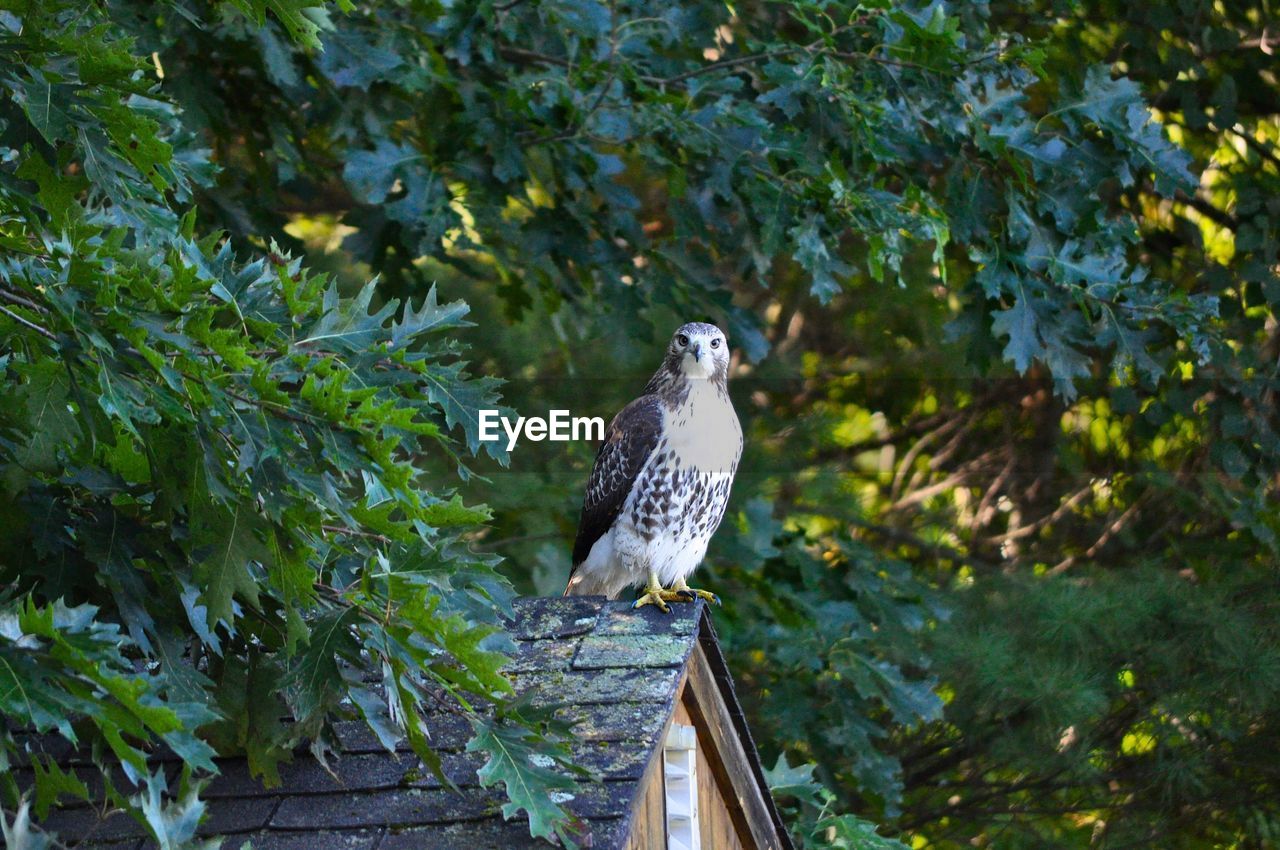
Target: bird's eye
(683, 340)
(715, 343)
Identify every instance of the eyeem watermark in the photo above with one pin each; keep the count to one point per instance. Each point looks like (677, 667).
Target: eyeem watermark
(558, 427)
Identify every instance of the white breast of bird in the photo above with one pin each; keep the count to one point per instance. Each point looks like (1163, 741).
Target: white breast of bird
(704, 432)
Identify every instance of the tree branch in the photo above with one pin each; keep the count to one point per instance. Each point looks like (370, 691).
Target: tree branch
(15, 298)
(356, 532)
(1108, 533)
(814, 49)
(29, 324)
(937, 550)
(966, 469)
(1048, 519)
(1258, 147)
(532, 56)
(1208, 210)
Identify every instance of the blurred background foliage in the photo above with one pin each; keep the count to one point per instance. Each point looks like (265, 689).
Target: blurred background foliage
(1001, 563)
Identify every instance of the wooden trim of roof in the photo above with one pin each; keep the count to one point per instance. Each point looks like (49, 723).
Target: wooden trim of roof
(705, 690)
(647, 821)
(727, 757)
(639, 823)
(707, 665)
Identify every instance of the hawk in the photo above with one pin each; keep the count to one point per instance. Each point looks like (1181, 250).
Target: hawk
(661, 478)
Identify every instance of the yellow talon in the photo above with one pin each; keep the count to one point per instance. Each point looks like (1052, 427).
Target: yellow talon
(654, 594)
(658, 596)
(688, 594)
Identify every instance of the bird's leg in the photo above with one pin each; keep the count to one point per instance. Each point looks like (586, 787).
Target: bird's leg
(688, 594)
(655, 595)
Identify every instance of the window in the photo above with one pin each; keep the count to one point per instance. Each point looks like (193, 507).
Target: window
(680, 782)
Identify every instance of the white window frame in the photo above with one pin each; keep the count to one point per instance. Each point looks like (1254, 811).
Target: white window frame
(680, 786)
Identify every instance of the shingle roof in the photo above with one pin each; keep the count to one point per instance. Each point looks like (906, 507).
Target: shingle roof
(610, 671)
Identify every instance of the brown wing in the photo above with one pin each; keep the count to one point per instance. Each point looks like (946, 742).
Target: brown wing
(629, 440)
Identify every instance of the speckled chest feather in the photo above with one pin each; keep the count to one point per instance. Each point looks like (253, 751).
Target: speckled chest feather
(681, 492)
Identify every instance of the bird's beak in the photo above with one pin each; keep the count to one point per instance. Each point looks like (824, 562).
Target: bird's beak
(697, 352)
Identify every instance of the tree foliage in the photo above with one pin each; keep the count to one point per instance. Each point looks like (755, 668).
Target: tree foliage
(1000, 562)
(216, 513)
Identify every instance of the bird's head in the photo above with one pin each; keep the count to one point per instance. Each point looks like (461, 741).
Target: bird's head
(700, 350)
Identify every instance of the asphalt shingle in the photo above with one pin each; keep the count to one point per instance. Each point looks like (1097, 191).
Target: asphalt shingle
(396, 807)
(609, 671)
(356, 839)
(602, 652)
(555, 617)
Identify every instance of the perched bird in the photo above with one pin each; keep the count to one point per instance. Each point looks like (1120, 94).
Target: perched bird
(661, 479)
